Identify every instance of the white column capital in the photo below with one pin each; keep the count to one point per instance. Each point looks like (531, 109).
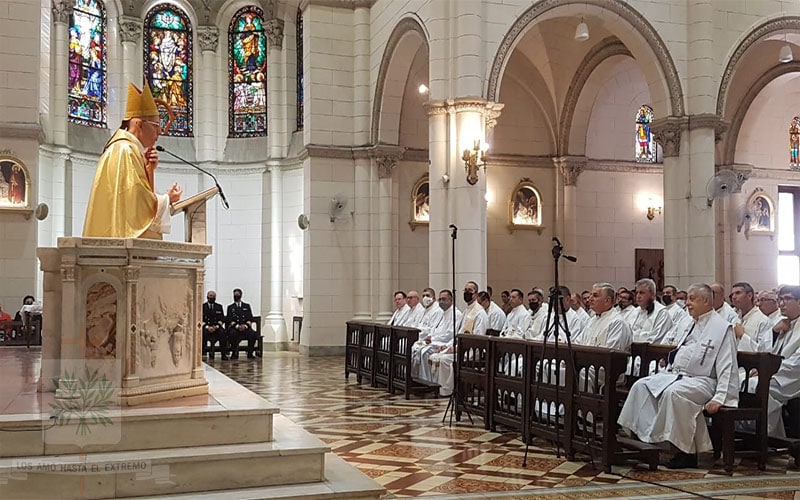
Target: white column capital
(386, 157)
(274, 30)
(62, 10)
(489, 110)
(130, 29)
(208, 38)
(709, 120)
(570, 167)
(667, 132)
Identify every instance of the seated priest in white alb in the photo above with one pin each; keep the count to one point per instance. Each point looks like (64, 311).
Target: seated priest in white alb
(723, 308)
(669, 298)
(518, 319)
(606, 328)
(497, 318)
(785, 384)
(575, 322)
(474, 321)
(417, 310)
(401, 311)
(438, 339)
(753, 330)
(625, 304)
(432, 314)
(652, 322)
(701, 374)
(767, 303)
(538, 309)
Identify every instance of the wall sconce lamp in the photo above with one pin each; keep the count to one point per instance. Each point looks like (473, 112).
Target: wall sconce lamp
(653, 210)
(474, 159)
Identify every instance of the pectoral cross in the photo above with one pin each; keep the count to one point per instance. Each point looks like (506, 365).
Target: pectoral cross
(706, 347)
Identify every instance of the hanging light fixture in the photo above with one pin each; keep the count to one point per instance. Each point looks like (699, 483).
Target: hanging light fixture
(785, 54)
(582, 32)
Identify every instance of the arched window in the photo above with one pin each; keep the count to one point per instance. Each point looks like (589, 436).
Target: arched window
(299, 46)
(168, 65)
(794, 143)
(247, 64)
(86, 101)
(645, 144)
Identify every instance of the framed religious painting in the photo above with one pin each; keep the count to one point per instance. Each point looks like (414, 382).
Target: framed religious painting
(525, 207)
(15, 185)
(761, 209)
(420, 203)
(650, 264)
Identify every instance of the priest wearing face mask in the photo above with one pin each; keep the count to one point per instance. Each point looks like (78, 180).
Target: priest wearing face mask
(123, 203)
(430, 319)
(538, 313)
(474, 321)
(652, 322)
(518, 319)
(440, 339)
(497, 318)
(701, 374)
(669, 298)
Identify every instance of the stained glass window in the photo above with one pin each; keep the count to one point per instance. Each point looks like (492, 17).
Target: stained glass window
(299, 42)
(645, 143)
(86, 101)
(794, 143)
(247, 64)
(168, 66)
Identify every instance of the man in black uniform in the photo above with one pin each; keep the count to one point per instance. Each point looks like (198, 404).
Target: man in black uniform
(214, 326)
(239, 317)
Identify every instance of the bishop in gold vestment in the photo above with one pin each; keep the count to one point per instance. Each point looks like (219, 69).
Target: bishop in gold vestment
(123, 203)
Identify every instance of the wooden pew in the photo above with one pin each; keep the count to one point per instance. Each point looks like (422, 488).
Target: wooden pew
(382, 357)
(474, 375)
(402, 341)
(352, 349)
(752, 407)
(507, 383)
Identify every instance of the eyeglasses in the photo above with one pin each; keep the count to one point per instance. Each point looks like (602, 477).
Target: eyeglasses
(786, 298)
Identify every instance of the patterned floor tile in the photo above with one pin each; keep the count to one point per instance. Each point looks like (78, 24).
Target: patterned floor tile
(404, 445)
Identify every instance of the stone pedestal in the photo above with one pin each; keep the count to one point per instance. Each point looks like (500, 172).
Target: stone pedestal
(126, 311)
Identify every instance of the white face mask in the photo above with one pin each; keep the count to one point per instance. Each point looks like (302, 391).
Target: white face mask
(681, 303)
(427, 301)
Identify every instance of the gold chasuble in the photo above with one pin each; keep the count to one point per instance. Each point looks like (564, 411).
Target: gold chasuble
(122, 203)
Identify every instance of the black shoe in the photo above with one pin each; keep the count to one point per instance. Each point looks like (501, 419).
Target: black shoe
(224, 358)
(683, 460)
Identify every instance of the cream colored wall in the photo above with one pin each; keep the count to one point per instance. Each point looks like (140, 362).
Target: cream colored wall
(412, 246)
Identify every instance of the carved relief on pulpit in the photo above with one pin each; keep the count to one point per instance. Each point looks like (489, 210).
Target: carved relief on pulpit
(101, 321)
(163, 311)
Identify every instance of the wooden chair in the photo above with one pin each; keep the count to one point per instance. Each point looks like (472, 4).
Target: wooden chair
(258, 348)
(752, 407)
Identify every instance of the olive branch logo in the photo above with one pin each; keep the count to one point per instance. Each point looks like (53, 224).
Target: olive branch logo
(85, 400)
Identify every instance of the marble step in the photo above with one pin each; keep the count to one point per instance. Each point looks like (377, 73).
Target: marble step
(293, 457)
(230, 414)
(342, 481)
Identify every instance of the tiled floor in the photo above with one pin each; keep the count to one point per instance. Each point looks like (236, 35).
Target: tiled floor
(404, 445)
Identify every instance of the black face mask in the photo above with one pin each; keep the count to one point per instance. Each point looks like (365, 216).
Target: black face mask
(211, 301)
(468, 297)
(237, 298)
(666, 299)
(534, 306)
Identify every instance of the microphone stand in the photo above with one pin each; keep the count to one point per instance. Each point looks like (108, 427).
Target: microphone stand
(455, 397)
(557, 303)
(216, 183)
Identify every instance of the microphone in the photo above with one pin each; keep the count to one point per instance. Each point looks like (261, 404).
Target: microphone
(216, 183)
(453, 231)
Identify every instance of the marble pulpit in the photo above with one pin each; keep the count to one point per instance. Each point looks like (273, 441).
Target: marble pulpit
(126, 311)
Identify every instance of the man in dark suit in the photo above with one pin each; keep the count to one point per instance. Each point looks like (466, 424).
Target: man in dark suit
(214, 326)
(239, 317)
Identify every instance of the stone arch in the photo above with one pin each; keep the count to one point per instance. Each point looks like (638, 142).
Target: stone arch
(642, 38)
(763, 30)
(607, 48)
(732, 136)
(407, 37)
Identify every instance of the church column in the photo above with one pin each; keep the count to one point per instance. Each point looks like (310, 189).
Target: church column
(276, 94)
(130, 32)
(569, 168)
(362, 291)
(62, 12)
(439, 173)
(385, 159)
(207, 127)
(668, 133)
(275, 319)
